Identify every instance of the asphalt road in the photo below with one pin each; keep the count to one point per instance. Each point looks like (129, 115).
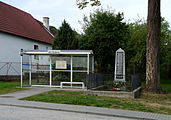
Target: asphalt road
(19, 113)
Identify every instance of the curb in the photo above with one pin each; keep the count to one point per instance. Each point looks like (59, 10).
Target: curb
(75, 111)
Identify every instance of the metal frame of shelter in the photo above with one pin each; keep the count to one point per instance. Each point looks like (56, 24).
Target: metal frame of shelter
(58, 53)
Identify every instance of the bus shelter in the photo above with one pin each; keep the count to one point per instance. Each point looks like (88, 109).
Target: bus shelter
(56, 68)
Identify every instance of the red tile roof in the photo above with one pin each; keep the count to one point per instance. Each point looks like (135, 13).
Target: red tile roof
(20, 23)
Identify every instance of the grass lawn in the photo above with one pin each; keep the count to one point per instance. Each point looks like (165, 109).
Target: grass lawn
(7, 87)
(147, 103)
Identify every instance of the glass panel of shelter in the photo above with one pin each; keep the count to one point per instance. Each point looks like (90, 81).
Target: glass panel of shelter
(40, 70)
(60, 74)
(25, 70)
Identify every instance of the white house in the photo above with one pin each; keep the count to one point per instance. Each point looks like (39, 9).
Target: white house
(19, 30)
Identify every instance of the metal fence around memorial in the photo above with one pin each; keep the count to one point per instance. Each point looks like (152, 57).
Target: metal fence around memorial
(105, 82)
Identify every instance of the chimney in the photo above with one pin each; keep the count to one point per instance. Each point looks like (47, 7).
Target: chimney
(46, 22)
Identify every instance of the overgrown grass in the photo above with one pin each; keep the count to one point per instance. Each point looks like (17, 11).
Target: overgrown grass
(147, 103)
(7, 87)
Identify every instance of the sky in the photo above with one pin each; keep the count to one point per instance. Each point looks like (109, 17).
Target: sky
(58, 10)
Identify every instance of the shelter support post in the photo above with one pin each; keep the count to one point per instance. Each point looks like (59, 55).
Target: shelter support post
(50, 72)
(30, 67)
(21, 67)
(88, 63)
(71, 79)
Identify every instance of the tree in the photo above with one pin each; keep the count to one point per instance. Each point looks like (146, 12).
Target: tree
(153, 43)
(166, 61)
(165, 50)
(65, 38)
(53, 30)
(135, 47)
(153, 47)
(104, 33)
(83, 3)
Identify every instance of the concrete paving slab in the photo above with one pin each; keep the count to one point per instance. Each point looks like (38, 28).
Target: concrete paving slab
(34, 91)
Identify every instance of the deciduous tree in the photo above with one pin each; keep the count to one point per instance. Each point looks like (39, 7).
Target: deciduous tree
(104, 33)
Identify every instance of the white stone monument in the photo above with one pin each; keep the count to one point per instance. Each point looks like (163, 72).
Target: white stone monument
(119, 75)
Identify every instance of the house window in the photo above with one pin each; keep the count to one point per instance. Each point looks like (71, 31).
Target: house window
(47, 48)
(36, 47)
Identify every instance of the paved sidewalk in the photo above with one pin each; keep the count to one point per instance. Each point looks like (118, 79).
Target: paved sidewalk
(12, 100)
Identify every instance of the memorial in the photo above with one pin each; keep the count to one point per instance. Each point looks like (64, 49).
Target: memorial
(119, 74)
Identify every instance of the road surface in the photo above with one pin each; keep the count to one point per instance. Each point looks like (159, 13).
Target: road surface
(20, 113)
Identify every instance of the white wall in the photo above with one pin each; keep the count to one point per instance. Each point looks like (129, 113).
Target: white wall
(10, 47)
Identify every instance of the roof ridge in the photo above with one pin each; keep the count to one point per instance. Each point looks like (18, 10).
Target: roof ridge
(19, 10)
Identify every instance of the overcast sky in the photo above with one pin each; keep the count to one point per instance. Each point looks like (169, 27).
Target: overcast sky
(58, 10)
